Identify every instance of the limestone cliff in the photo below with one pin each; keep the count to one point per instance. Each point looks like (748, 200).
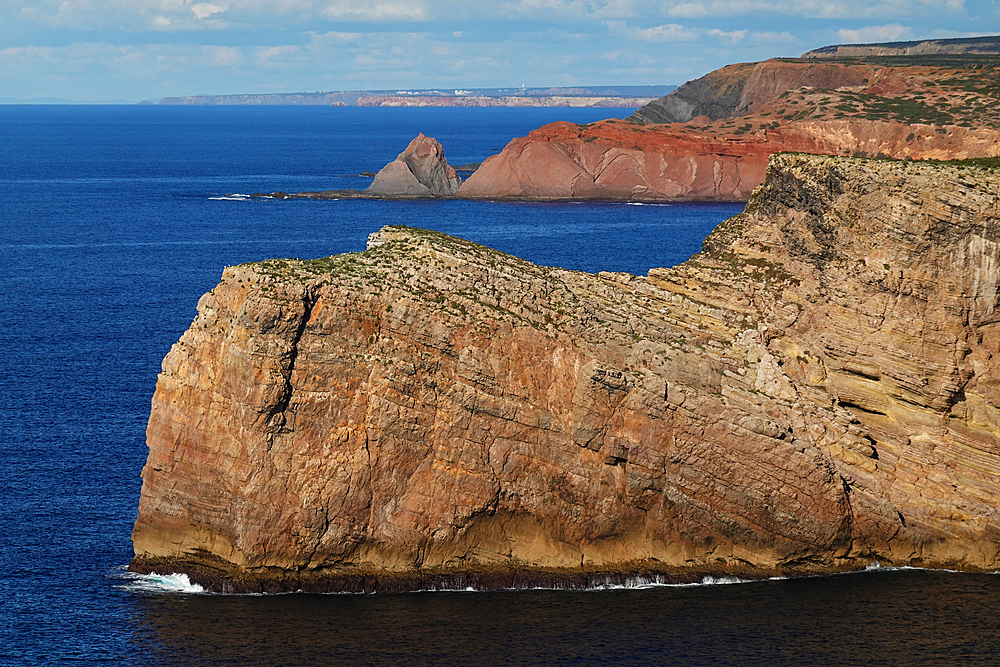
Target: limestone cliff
(818, 388)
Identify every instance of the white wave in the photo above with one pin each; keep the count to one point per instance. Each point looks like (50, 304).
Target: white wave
(660, 581)
(644, 203)
(160, 583)
(232, 197)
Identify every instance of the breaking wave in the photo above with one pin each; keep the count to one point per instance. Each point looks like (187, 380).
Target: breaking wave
(159, 584)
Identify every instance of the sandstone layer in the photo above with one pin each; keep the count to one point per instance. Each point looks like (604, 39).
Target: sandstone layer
(818, 388)
(616, 160)
(421, 170)
(712, 137)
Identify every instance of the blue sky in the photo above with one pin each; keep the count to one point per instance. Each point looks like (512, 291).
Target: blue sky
(103, 50)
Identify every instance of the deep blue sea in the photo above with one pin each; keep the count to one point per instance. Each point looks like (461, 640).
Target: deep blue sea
(112, 225)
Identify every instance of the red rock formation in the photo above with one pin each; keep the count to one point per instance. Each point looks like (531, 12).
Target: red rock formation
(731, 120)
(819, 387)
(620, 160)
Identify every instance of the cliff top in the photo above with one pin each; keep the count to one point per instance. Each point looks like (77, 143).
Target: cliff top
(794, 180)
(963, 45)
(939, 90)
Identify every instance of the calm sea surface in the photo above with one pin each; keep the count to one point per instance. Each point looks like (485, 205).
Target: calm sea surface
(112, 226)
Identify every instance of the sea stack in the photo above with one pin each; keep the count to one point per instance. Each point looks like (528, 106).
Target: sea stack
(817, 389)
(419, 171)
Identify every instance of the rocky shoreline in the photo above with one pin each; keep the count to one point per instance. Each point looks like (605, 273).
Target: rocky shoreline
(217, 576)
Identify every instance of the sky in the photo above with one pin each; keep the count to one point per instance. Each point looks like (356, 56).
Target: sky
(133, 50)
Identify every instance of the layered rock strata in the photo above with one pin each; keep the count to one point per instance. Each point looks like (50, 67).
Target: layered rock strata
(963, 45)
(616, 160)
(421, 170)
(711, 138)
(817, 389)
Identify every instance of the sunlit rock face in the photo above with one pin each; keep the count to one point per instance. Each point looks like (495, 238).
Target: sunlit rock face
(615, 160)
(419, 171)
(818, 388)
(712, 137)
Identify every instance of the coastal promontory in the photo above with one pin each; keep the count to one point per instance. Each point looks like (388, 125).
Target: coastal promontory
(712, 137)
(816, 390)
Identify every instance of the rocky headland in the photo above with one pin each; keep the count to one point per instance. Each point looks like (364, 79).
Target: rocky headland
(816, 390)
(712, 137)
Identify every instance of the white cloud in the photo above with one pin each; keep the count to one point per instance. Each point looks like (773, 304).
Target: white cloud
(204, 9)
(697, 10)
(826, 9)
(875, 33)
(267, 56)
(670, 32)
(358, 10)
(774, 38)
(224, 56)
(734, 36)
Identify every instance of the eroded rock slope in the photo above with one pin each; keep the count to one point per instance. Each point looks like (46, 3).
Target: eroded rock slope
(818, 388)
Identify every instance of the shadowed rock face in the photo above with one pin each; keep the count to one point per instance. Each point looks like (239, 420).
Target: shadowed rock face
(736, 90)
(419, 171)
(819, 386)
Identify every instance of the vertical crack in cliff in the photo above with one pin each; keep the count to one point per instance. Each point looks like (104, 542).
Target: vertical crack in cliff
(283, 402)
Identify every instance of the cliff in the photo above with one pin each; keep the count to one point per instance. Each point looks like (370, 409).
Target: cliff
(711, 138)
(617, 160)
(481, 101)
(965, 45)
(816, 390)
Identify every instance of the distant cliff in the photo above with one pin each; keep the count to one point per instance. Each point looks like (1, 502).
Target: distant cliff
(711, 138)
(962, 46)
(627, 97)
(816, 390)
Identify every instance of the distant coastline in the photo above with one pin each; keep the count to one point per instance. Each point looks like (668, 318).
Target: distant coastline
(593, 96)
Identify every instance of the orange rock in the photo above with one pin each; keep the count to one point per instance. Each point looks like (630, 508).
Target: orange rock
(712, 137)
(819, 387)
(627, 161)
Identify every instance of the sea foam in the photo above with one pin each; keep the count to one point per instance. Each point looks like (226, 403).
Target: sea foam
(160, 583)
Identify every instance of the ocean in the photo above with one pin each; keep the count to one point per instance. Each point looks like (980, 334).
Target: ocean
(114, 220)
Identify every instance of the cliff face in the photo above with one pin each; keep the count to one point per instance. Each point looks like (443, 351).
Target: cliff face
(711, 138)
(736, 90)
(619, 160)
(966, 45)
(819, 386)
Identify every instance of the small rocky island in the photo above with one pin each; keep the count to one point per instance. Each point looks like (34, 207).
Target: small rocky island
(817, 389)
